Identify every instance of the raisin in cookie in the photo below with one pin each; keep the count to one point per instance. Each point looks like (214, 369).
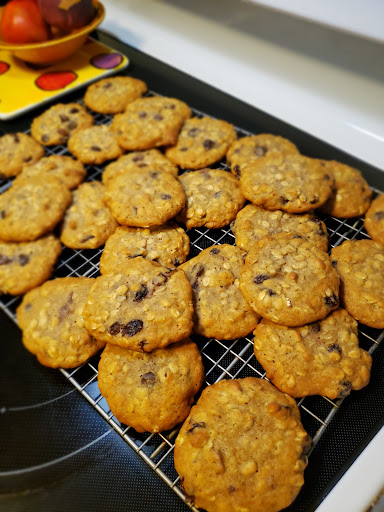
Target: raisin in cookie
(220, 309)
(250, 149)
(94, 145)
(254, 222)
(71, 172)
(289, 280)
(52, 325)
(32, 207)
(27, 264)
(112, 95)
(213, 198)
(292, 183)
(88, 222)
(351, 196)
(374, 220)
(56, 124)
(146, 307)
(360, 264)
(202, 142)
(152, 160)
(167, 245)
(17, 150)
(322, 358)
(150, 122)
(242, 448)
(144, 198)
(151, 392)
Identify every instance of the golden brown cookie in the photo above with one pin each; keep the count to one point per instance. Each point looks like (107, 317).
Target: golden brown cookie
(251, 148)
(71, 172)
(94, 145)
(88, 222)
(151, 392)
(151, 160)
(17, 150)
(144, 198)
(213, 198)
(374, 220)
(360, 264)
(292, 183)
(289, 280)
(322, 358)
(52, 325)
(150, 122)
(220, 309)
(242, 448)
(202, 142)
(145, 308)
(351, 196)
(254, 222)
(112, 95)
(167, 244)
(56, 124)
(32, 207)
(25, 265)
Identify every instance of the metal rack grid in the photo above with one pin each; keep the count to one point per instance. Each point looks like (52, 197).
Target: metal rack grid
(222, 359)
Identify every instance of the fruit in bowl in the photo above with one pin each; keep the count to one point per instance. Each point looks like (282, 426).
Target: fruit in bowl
(47, 31)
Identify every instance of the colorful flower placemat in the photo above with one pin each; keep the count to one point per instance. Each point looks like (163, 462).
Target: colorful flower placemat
(25, 86)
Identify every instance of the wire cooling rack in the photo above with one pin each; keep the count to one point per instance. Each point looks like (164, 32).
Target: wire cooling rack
(222, 359)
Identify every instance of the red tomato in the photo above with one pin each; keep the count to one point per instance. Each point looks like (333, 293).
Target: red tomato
(21, 22)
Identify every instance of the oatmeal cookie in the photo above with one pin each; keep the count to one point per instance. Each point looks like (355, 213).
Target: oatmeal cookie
(71, 172)
(374, 220)
(94, 145)
(17, 150)
(112, 95)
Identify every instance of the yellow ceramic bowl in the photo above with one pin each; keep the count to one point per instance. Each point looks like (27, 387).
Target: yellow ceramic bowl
(54, 50)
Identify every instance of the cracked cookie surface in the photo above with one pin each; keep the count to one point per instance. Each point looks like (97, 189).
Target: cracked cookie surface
(374, 220)
(17, 150)
(70, 171)
(94, 145)
(151, 392)
(321, 358)
(242, 447)
(112, 95)
(289, 281)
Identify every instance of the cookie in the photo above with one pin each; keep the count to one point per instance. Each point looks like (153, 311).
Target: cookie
(71, 172)
(145, 308)
(292, 183)
(374, 220)
(322, 358)
(351, 196)
(213, 198)
(167, 244)
(151, 392)
(254, 222)
(112, 95)
(251, 148)
(52, 325)
(150, 122)
(242, 448)
(289, 280)
(152, 160)
(144, 198)
(360, 264)
(56, 124)
(25, 265)
(88, 222)
(32, 207)
(17, 150)
(94, 145)
(202, 142)
(221, 311)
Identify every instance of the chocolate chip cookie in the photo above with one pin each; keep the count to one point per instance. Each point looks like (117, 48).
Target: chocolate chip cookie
(322, 358)
(288, 280)
(71, 172)
(94, 145)
(17, 150)
(145, 308)
(374, 220)
(242, 448)
(112, 95)
(220, 309)
(52, 325)
(167, 244)
(151, 392)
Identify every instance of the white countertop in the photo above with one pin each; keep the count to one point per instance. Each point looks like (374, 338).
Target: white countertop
(326, 82)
